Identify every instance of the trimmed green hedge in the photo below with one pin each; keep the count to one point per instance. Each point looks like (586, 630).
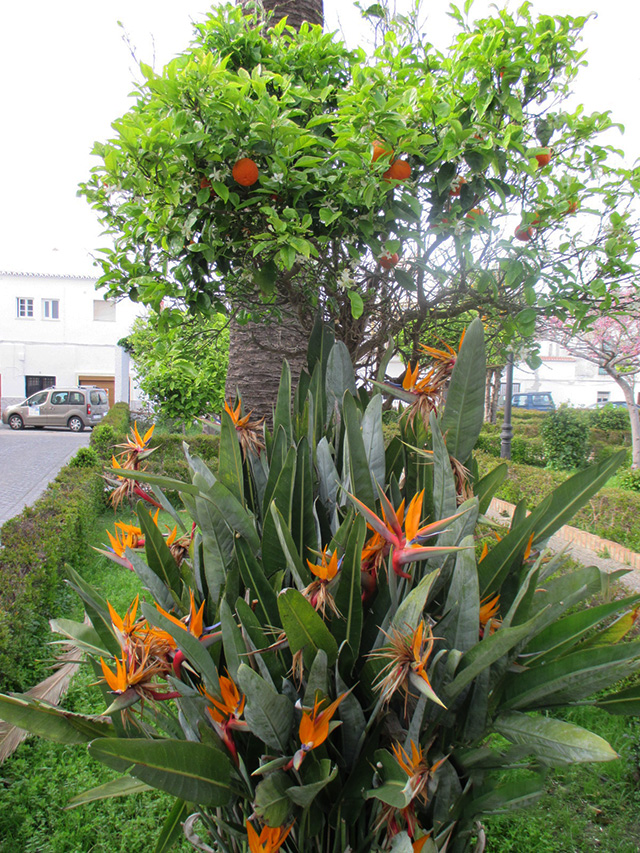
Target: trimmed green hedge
(36, 545)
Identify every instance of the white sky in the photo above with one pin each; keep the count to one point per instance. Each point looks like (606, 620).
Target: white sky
(66, 74)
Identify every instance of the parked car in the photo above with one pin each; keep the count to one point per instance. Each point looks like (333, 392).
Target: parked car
(74, 408)
(541, 401)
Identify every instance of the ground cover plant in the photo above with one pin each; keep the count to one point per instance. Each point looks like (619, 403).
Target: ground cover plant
(296, 680)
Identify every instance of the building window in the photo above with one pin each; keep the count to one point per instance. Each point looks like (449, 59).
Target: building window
(37, 383)
(24, 306)
(104, 310)
(603, 396)
(514, 390)
(50, 309)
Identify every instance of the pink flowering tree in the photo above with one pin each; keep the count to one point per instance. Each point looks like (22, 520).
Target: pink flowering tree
(613, 343)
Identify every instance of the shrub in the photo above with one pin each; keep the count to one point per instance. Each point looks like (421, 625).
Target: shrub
(422, 653)
(565, 437)
(86, 457)
(36, 545)
(610, 418)
(629, 479)
(103, 440)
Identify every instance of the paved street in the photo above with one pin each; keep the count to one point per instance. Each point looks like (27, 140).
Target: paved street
(29, 459)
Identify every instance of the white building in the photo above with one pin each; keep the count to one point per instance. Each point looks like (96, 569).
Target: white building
(56, 329)
(569, 379)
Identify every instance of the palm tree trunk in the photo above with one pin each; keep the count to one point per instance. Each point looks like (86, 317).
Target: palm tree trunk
(257, 350)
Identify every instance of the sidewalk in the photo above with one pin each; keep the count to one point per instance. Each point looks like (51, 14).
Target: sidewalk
(586, 548)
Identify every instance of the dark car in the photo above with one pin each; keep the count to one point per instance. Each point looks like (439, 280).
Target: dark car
(541, 401)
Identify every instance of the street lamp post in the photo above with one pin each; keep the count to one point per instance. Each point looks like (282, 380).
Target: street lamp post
(507, 429)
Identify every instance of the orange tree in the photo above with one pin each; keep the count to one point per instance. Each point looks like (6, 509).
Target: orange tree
(266, 168)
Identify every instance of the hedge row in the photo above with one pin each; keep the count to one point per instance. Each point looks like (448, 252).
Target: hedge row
(36, 545)
(611, 514)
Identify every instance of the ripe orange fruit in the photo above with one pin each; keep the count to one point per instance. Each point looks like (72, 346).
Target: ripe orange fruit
(456, 185)
(387, 260)
(573, 206)
(379, 150)
(398, 171)
(544, 158)
(204, 183)
(474, 213)
(524, 232)
(245, 172)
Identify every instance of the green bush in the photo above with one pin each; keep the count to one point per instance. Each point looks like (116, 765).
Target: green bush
(529, 451)
(103, 440)
(629, 479)
(86, 457)
(565, 438)
(610, 417)
(36, 545)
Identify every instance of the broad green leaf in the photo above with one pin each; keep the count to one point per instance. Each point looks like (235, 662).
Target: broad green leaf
(282, 417)
(500, 799)
(393, 789)
(299, 571)
(304, 628)
(317, 680)
(445, 497)
(172, 826)
(303, 527)
(304, 795)
(49, 722)
(150, 580)
(355, 460)
(373, 439)
(236, 516)
(84, 636)
(230, 471)
(269, 715)
(410, 611)
(463, 602)
(271, 803)
(571, 678)
(120, 787)
(321, 341)
(487, 486)
(258, 586)
(562, 634)
(190, 771)
(348, 596)
(273, 558)
(487, 652)
(464, 408)
(96, 608)
(571, 495)
(552, 741)
(234, 646)
(623, 702)
(339, 377)
(197, 654)
(160, 559)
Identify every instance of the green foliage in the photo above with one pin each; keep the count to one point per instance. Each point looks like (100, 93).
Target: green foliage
(565, 439)
(36, 546)
(104, 439)
(86, 457)
(314, 225)
(181, 363)
(629, 479)
(349, 648)
(610, 418)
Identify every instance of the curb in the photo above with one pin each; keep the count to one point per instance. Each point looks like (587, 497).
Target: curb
(582, 538)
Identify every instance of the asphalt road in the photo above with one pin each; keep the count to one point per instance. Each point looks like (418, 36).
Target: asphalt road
(29, 460)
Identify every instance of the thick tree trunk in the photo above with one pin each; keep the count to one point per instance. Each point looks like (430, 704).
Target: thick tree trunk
(257, 350)
(256, 353)
(634, 416)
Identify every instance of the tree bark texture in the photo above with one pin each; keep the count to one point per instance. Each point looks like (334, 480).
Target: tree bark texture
(257, 350)
(256, 353)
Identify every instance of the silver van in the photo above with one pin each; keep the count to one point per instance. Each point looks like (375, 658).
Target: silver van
(75, 408)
